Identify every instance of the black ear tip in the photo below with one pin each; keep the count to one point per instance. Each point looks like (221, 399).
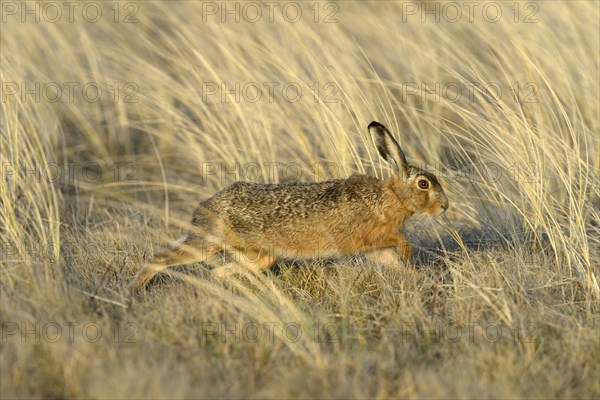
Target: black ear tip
(375, 124)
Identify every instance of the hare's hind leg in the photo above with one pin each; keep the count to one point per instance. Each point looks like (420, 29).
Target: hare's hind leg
(249, 261)
(190, 250)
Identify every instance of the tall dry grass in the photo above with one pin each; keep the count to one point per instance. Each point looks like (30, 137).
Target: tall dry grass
(502, 300)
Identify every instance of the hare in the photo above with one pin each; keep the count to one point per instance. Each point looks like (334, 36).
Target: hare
(264, 222)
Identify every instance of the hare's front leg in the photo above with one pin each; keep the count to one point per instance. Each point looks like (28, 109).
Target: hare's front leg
(396, 247)
(404, 248)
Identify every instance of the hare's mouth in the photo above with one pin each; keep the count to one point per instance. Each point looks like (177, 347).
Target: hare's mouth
(441, 209)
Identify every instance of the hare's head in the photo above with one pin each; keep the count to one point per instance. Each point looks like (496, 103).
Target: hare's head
(419, 191)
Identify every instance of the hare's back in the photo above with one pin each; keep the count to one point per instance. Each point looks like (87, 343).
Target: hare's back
(256, 197)
(264, 205)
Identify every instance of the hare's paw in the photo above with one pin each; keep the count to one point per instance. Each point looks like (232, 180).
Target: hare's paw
(383, 257)
(143, 277)
(228, 270)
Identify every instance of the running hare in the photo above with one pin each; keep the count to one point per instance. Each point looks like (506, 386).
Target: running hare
(307, 220)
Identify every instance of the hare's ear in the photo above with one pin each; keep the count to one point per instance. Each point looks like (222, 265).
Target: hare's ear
(388, 148)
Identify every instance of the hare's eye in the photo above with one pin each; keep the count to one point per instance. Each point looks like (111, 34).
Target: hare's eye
(423, 184)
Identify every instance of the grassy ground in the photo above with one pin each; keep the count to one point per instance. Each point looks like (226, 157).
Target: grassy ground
(502, 299)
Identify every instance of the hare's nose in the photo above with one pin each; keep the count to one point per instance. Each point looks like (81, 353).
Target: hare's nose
(445, 206)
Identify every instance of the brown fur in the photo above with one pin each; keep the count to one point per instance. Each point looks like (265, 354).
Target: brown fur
(264, 222)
